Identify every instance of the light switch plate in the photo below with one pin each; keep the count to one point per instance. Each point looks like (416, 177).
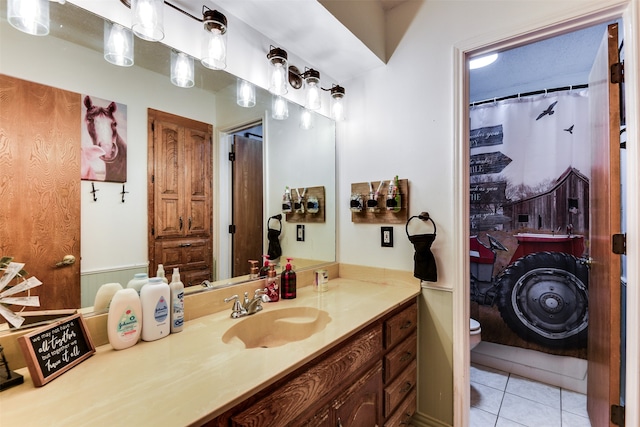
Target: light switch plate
(300, 233)
(386, 237)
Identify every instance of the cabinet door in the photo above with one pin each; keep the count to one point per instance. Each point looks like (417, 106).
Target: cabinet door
(169, 184)
(197, 148)
(361, 404)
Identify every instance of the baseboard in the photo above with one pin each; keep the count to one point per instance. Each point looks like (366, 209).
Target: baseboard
(560, 371)
(422, 420)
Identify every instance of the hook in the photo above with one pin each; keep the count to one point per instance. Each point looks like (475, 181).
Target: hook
(93, 191)
(123, 193)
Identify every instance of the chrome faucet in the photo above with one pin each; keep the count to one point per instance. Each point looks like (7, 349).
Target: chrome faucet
(249, 306)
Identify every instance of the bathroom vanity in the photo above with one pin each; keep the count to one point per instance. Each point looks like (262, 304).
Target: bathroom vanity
(360, 361)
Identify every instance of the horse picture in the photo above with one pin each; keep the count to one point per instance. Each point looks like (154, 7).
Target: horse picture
(104, 148)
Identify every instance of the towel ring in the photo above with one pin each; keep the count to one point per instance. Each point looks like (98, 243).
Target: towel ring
(424, 216)
(276, 217)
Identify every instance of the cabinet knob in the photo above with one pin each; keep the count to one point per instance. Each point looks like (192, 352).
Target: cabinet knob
(406, 324)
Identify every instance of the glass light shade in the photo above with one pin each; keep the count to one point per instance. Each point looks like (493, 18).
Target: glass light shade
(181, 69)
(118, 44)
(312, 90)
(278, 71)
(279, 107)
(245, 94)
(214, 49)
(306, 119)
(337, 103)
(148, 19)
(29, 16)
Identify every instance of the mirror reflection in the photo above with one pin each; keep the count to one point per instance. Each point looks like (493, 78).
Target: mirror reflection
(115, 235)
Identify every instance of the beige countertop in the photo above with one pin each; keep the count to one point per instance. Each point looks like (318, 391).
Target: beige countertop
(193, 376)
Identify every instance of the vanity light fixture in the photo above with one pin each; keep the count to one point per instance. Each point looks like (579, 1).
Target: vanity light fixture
(277, 71)
(279, 107)
(29, 16)
(312, 89)
(148, 19)
(214, 42)
(181, 69)
(337, 103)
(118, 44)
(245, 94)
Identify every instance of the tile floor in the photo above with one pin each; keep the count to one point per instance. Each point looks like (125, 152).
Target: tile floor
(500, 399)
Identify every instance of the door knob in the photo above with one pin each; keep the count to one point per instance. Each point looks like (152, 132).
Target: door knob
(67, 260)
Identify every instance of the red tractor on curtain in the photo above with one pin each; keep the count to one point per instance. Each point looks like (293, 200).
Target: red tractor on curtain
(542, 294)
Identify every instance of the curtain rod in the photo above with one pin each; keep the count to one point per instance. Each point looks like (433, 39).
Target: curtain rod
(537, 92)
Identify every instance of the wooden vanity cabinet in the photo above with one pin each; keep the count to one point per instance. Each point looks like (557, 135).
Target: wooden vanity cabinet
(369, 380)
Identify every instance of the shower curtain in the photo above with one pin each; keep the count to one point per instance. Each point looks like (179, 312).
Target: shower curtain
(529, 173)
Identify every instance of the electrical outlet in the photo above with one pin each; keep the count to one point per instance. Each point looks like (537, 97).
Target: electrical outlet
(386, 237)
(300, 233)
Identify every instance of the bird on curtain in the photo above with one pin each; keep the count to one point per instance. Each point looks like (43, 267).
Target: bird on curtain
(548, 111)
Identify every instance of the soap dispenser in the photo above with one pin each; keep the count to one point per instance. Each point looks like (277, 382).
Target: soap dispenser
(273, 291)
(288, 281)
(265, 267)
(254, 271)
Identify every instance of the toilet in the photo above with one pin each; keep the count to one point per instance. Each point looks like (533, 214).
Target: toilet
(474, 333)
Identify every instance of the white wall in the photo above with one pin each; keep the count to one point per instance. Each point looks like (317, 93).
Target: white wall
(402, 121)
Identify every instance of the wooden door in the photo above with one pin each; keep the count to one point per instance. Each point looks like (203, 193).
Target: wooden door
(603, 383)
(180, 196)
(247, 204)
(40, 186)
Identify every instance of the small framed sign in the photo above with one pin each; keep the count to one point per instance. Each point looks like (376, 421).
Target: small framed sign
(53, 350)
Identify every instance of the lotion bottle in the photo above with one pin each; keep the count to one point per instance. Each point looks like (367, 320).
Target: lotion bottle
(273, 291)
(138, 281)
(161, 274)
(105, 295)
(156, 318)
(288, 282)
(177, 302)
(124, 321)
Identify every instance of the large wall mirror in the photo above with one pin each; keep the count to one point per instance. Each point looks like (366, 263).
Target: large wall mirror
(114, 234)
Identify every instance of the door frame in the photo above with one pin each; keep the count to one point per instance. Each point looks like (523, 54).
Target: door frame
(629, 11)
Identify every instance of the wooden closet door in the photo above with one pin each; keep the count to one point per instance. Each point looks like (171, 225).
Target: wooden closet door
(40, 186)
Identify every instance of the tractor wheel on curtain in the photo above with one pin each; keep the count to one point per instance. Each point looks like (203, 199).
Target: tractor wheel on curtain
(543, 298)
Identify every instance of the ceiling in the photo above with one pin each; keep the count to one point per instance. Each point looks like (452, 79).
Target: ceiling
(560, 61)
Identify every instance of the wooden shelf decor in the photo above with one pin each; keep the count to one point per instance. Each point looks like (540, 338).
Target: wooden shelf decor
(382, 216)
(318, 217)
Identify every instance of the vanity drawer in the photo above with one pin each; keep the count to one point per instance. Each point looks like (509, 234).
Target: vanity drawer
(400, 357)
(400, 388)
(402, 416)
(400, 326)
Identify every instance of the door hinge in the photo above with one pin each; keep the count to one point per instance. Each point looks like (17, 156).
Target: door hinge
(617, 73)
(617, 415)
(619, 244)
(153, 126)
(153, 231)
(232, 229)
(232, 156)
(153, 179)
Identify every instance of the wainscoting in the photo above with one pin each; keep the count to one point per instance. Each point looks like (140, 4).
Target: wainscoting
(90, 281)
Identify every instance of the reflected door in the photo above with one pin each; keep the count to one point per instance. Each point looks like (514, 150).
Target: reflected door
(247, 202)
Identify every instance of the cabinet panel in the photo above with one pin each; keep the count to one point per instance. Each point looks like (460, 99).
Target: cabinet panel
(402, 416)
(361, 404)
(398, 358)
(300, 393)
(399, 388)
(195, 277)
(400, 326)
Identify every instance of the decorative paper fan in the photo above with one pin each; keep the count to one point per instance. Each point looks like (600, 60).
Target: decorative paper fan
(12, 271)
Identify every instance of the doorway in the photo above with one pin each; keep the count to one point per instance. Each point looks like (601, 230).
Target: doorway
(466, 120)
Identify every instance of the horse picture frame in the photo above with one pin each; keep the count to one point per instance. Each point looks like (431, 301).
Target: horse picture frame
(103, 140)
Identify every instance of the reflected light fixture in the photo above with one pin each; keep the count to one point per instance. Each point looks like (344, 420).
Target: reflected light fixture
(279, 107)
(312, 89)
(148, 19)
(29, 16)
(337, 103)
(181, 69)
(482, 61)
(118, 44)
(306, 119)
(214, 41)
(245, 94)
(277, 71)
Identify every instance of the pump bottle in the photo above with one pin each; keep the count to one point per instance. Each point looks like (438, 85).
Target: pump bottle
(288, 281)
(177, 302)
(273, 291)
